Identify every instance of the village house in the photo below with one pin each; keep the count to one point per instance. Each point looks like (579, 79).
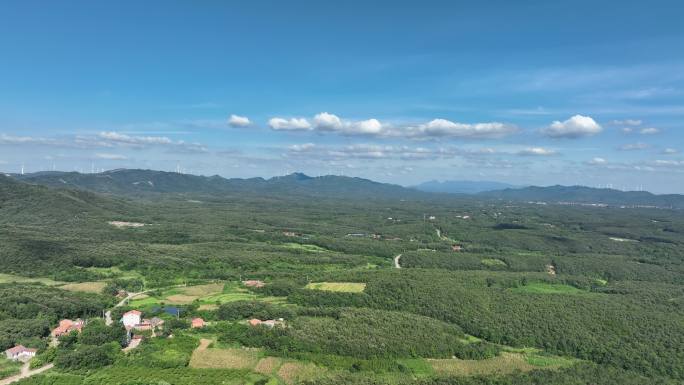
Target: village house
(143, 326)
(131, 318)
(456, 248)
(289, 233)
(66, 326)
(268, 323)
(197, 323)
(253, 283)
(20, 351)
(155, 322)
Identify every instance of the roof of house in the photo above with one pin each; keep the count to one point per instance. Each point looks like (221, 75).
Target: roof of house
(254, 321)
(136, 312)
(18, 349)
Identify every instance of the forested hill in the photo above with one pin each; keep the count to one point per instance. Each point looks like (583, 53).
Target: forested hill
(147, 182)
(588, 195)
(27, 203)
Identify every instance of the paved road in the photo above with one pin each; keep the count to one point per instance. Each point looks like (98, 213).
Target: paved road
(396, 261)
(25, 372)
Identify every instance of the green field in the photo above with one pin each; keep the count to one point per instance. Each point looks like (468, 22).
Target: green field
(547, 288)
(9, 368)
(345, 287)
(493, 262)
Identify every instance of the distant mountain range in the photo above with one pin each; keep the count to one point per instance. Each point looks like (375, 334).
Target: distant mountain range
(462, 186)
(149, 183)
(588, 195)
(128, 182)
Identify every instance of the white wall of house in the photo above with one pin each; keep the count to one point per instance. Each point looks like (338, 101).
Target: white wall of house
(131, 319)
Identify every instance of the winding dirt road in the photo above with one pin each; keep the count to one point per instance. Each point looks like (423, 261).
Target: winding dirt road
(396, 261)
(25, 373)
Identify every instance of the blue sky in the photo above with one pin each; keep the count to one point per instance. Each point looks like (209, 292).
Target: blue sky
(525, 92)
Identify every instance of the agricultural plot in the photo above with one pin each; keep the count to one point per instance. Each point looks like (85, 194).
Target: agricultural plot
(86, 287)
(11, 278)
(505, 363)
(344, 287)
(208, 295)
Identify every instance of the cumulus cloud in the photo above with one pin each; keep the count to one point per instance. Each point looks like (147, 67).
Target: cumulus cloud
(536, 151)
(436, 128)
(292, 124)
(670, 151)
(575, 127)
(649, 131)
(238, 121)
(633, 146)
(110, 156)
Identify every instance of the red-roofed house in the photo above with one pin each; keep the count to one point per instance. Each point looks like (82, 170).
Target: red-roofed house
(19, 352)
(66, 326)
(197, 323)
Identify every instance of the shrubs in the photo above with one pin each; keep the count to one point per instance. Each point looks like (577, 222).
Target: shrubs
(87, 357)
(239, 310)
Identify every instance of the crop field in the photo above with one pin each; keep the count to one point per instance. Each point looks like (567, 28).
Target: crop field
(344, 287)
(86, 287)
(505, 363)
(305, 247)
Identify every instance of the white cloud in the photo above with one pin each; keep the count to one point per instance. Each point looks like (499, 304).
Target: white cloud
(437, 128)
(239, 121)
(327, 122)
(627, 122)
(536, 151)
(649, 131)
(597, 161)
(447, 128)
(575, 127)
(116, 137)
(110, 156)
(633, 146)
(670, 151)
(293, 124)
(627, 130)
(302, 147)
(12, 139)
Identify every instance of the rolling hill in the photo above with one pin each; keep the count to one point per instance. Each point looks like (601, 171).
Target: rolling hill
(461, 186)
(588, 195)
(148, 182)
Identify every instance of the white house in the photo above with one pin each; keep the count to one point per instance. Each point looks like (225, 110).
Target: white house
(131, 318)
(19, 352)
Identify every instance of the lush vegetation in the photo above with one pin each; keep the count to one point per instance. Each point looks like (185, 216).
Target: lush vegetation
(534, 294)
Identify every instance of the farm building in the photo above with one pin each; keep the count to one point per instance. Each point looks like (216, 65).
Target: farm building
(456, 248)
(66, 326)
(20, 351)
(197, 323)
(131, 318)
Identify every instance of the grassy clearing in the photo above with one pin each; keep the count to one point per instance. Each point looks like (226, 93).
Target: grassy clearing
(10, 278)
(418, 367)
(346, 287)
(268, 365)
(295, 372)
(493, 262)
(470, 339)
(305, 247)
(544, 361)
(86, 287)
(9, 368)
(208, 295)
(233, 358)
(548, 288)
